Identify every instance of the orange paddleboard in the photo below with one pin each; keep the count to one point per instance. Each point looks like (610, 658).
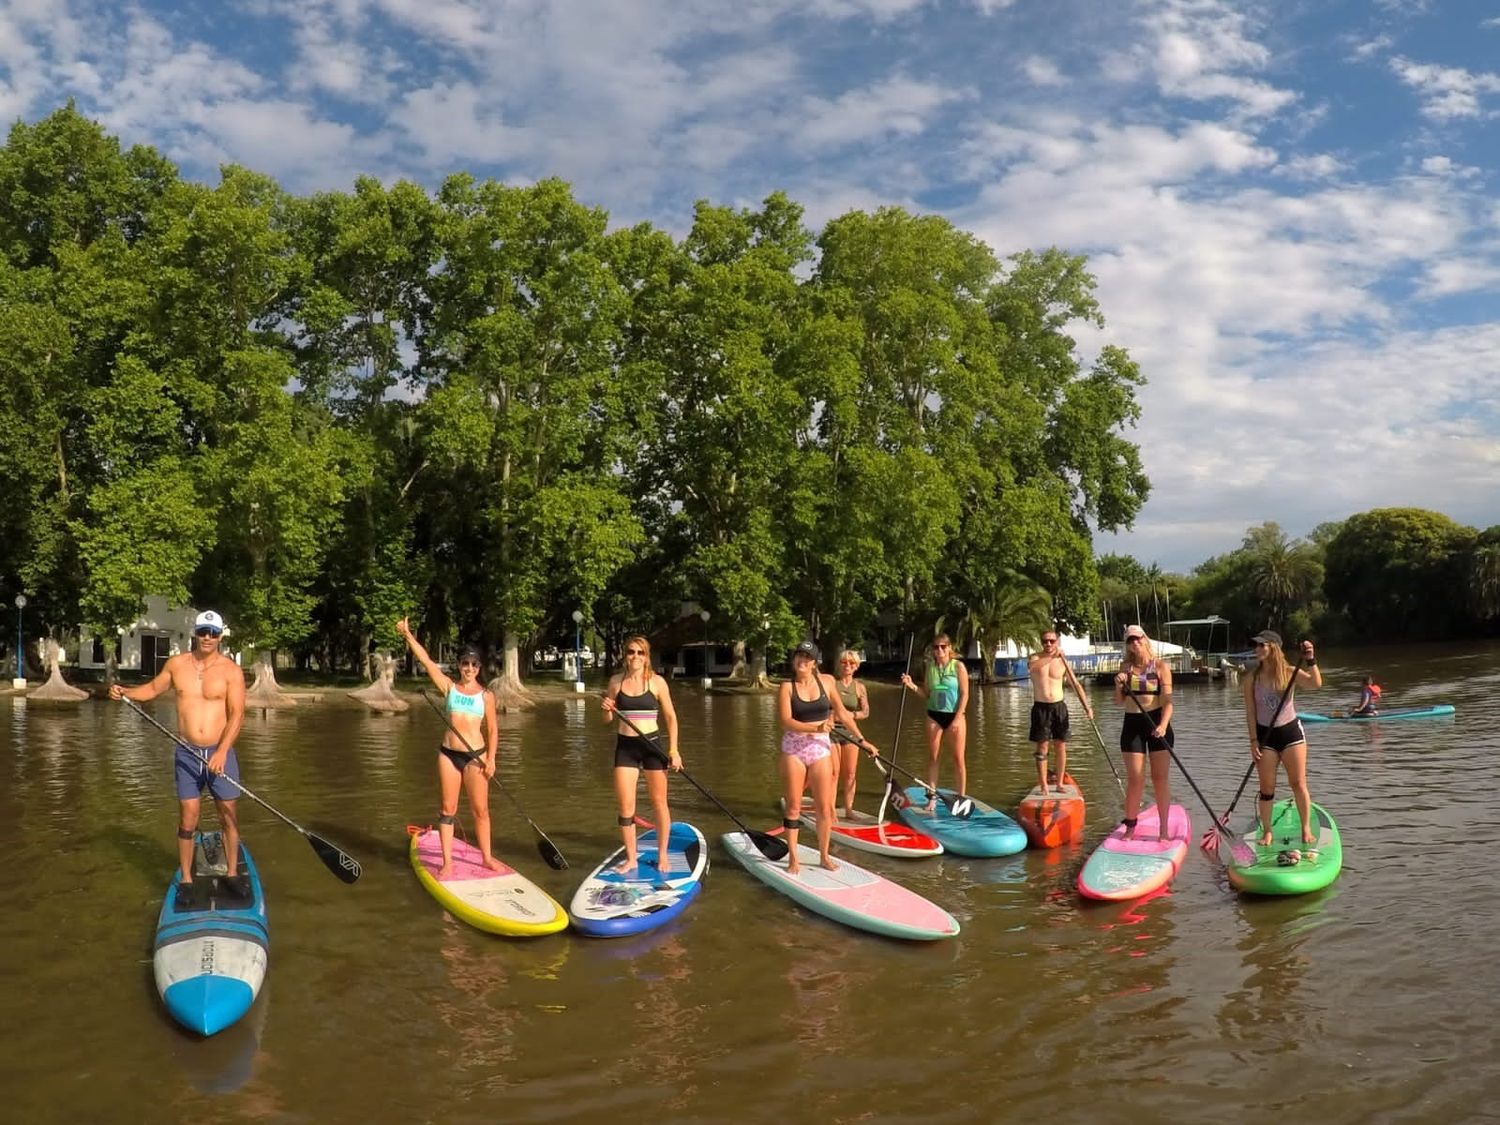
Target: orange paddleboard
(1055, 819)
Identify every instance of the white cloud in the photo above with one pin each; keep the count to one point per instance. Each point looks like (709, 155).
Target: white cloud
(1446, 92)
(1042, 71)
(894, 106)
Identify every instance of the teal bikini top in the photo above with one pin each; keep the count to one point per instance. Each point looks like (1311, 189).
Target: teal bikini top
(461, 703)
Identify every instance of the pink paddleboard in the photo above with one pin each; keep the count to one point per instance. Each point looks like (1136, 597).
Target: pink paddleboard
(1122, 869)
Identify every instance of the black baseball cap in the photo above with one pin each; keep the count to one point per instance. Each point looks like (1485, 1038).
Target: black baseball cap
(807, 648)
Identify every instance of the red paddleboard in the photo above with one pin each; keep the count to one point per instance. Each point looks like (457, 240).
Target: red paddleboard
(1055, 819)
(863, 831)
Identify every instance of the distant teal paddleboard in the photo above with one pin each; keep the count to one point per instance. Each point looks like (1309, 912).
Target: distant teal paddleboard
(988, 832)
(1435, 711)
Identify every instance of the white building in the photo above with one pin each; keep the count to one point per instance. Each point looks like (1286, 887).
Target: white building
(144, 645)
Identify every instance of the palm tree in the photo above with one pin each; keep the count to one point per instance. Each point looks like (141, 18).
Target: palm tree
(1007, 607)
(1283, 574)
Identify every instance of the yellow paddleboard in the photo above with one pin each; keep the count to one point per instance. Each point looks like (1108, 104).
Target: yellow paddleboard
(498, 902)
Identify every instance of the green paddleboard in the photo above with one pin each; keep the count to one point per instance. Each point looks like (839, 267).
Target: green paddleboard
(1269, 869)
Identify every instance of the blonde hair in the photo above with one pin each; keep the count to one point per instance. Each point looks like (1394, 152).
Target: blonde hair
(1275, 662)
(843, 652)
(636, 638)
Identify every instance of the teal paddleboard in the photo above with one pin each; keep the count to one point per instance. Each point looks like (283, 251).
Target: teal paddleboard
(988, 832)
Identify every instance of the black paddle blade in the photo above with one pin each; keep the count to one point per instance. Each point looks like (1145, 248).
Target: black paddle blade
(550, 855)
(769, 846)
(345, 866)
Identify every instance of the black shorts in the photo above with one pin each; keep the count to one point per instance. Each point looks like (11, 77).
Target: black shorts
(1280, 738)
(635, 753)
(943, 719)
(1137, 733)
(460, 758)
(1049, 722)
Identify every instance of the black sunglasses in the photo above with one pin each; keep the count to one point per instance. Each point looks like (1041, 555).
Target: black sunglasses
(206, 631)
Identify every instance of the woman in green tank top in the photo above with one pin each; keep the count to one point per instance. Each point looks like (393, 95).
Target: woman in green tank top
(947, 693)
(846, 754)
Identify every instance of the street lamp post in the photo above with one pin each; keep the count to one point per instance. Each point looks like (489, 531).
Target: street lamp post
(578, 651)
(20, 680)
(703, 613)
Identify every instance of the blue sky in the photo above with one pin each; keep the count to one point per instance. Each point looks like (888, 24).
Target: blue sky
(1289, 205)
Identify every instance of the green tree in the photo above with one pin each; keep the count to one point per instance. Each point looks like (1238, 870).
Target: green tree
(1393, 572)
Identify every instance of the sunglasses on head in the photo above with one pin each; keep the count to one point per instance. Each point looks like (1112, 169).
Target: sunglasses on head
(207, 631)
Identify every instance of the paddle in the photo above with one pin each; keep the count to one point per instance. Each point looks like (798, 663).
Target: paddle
(768, 846)
(549, 851)
(959, 807)
(345, 866)
(1209, 837)
(1103, 749)
(1241, 852)
(890, 778)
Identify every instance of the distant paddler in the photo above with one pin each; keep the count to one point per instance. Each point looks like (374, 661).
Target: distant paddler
(1050, 672)
(640, 695)
(473, 721)
(946, 689)
(210, 689)
(856, 701)
(1369, 698)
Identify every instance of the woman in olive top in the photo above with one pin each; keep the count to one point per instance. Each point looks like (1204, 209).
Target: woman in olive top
(641, 695)
(1146, 731)
(947, 694)
(846, 754)
(809, 705)
(471, 711)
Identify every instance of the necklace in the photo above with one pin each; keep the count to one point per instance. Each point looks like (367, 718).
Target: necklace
(200, 666)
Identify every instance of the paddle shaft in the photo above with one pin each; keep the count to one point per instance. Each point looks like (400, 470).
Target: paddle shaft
(757, 838)
(550, 852)
(953, 804)
(1103, 749)
(890, 778)
(345, 866)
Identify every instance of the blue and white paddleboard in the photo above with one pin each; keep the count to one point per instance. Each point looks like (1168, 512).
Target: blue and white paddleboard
(988, 832)
(611, 903)
(211, 956)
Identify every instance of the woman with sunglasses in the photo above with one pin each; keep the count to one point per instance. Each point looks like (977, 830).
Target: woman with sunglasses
(474, 720)
(809, 706)
(947, 694)
(857, 702)
(1143, 686)
(641, 696)
(1276, 734)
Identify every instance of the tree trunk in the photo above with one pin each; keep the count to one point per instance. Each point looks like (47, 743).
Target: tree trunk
(739, 671)
(510, 693)
(758, 675)
(265, 691)
(381, 695)
(56, 689)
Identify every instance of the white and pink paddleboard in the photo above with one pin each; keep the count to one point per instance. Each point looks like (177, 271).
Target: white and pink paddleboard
(863, 831)
(850, 895)
(1122, 869)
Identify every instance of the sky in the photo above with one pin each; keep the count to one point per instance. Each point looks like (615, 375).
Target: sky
(1289, 206)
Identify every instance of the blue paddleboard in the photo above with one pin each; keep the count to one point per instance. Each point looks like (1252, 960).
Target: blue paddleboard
(988, 832)
(611, 903)
(210, 955)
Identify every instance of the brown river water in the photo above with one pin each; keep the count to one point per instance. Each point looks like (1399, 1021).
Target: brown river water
(1364, 1002)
